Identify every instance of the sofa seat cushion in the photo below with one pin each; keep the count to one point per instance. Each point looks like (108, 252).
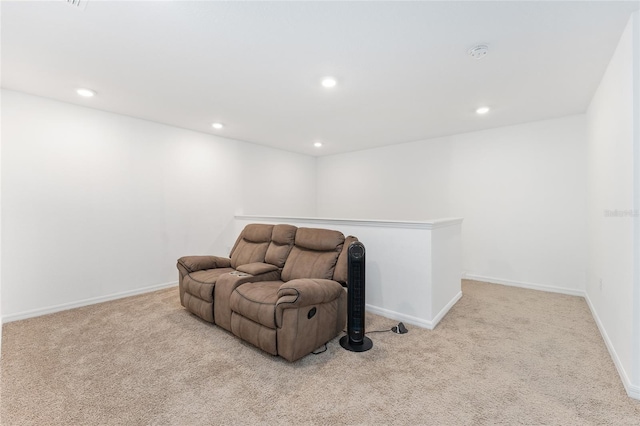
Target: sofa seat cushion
(201, 283)
(257, 302)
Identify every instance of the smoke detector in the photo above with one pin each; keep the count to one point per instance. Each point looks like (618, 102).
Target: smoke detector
(479, 51)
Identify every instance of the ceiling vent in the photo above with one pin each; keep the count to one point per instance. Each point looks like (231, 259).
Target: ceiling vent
(80, 4)
(477, 52)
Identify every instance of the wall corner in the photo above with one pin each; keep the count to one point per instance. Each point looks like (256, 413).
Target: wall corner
(635, 374)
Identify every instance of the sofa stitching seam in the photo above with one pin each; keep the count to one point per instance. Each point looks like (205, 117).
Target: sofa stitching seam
(275, 311)
(204, 282)
(251, 300)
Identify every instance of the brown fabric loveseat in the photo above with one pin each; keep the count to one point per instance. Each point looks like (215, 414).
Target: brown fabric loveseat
(282, 289)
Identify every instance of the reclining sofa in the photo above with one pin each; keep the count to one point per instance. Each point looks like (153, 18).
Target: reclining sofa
(283, 288)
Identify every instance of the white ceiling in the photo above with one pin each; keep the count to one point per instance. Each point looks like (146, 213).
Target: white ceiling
(402, 67)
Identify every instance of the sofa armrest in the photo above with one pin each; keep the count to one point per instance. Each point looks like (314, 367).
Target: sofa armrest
(199, 263)
(309, 312)
(307, 291)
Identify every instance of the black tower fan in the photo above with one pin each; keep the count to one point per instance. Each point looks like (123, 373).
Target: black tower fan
(355, 340)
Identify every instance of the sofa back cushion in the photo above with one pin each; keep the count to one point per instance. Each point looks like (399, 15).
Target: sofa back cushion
(340, 273)
(282, 240)
(314, 254)
(251, 245)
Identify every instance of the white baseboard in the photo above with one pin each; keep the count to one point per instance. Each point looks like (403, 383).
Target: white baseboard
(531, 286)
(410, 319)
(632, 390)
(93, 300)
(446, 308)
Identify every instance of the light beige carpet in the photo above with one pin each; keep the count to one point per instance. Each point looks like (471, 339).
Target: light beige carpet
(501, 356)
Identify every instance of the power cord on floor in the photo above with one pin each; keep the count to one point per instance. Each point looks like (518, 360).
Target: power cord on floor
(319, 352)
(379, 331)
(398, 329)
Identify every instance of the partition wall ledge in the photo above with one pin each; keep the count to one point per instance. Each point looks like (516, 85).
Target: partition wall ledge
(429, 224)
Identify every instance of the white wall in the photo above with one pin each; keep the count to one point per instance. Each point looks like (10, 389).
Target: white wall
(634, 389)
(0, 226)
(98, 204)
(612, 146)
(520, 189)
(275, 181)
(0, 220)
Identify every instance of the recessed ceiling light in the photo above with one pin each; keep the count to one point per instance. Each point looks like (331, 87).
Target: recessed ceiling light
(479, 51)
(482, 110)
(87, 93)
(329, 82)
(317, 144)
(217, 126)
